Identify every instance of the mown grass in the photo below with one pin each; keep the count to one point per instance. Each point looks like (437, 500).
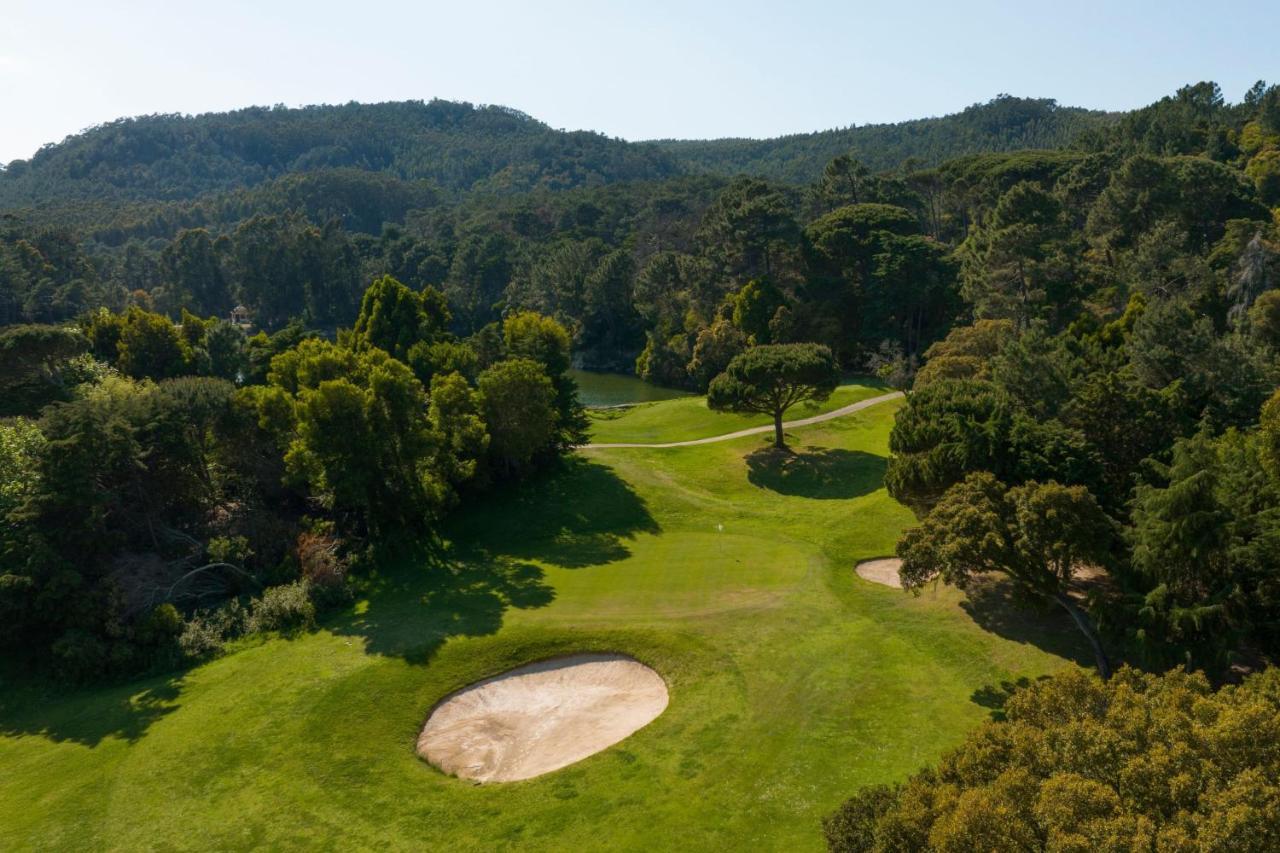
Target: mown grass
(726, 567)
(688, 417)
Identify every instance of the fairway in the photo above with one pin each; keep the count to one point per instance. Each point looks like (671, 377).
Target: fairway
(727, 568)
(688, 418)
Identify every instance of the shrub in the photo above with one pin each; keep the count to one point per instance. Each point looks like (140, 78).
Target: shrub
(283, 608)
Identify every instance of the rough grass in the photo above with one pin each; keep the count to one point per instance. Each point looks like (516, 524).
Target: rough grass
(726, 568)
(689, 418)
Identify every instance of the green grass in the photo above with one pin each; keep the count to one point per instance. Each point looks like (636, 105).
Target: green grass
(727, 567)
(688, 417)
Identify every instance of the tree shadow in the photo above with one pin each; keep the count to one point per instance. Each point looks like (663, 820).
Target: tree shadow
(86, 715)
(575, 516)
(995, 697)
(991, 603)
(822, 473)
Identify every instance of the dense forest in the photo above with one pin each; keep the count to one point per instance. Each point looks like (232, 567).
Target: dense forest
(1005, 123)
(1087, 328)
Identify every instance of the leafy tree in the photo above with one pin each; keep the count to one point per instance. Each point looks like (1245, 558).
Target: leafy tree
(754, 307)
(226, 347)
(947, 429)
(1017, 265)
(1138, 762)
(1036, 534)
(357, 434)
(716, 346)
(527, 335)
(393, 318)
(771, 379)
(519, 408)
(35, 366)
(1206, 540)
(966, 352)
(1265, 319)
(193, 271)
(749, 230)
(150, 346)
(458, 427)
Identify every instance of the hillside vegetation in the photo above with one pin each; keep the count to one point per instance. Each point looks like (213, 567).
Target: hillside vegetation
(1005, 123)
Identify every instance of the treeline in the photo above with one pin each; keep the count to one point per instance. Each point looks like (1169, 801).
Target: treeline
(167, 487)
(455, 146)
(1104, 434)
(1004, 123)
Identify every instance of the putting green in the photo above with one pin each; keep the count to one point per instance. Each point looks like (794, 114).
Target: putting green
(727, 568)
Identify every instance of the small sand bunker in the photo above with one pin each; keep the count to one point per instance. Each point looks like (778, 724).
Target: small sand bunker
(541, 717)
(882, 571)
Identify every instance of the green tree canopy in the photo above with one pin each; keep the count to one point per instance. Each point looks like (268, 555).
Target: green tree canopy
(771, 379)
(1139, 762)
(1036, 534)
(393, 318)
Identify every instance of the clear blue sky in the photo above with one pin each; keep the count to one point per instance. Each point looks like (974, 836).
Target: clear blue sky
(639, 70)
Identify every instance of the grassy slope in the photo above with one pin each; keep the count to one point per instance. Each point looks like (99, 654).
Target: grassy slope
(792, 682)
(689, 418)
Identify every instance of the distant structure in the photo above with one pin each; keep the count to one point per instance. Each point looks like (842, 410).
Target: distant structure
(240, 317)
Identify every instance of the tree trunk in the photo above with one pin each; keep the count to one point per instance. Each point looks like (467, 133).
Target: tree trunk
(777, 431)
(1086, 627)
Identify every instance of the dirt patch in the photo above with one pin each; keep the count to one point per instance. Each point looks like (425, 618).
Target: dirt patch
(541, 717)
(882, 571)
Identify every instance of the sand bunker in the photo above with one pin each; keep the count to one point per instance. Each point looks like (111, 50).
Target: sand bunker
(882, 571)
(541, 717)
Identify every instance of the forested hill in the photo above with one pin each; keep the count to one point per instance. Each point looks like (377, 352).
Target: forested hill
(1005, 123)
(454, 145)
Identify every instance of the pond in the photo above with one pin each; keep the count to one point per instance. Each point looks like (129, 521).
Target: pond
(597, 390)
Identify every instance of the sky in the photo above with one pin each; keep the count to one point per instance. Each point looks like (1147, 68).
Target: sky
(638, 70)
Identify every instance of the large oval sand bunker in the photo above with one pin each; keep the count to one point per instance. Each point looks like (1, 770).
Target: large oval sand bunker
(541, 717)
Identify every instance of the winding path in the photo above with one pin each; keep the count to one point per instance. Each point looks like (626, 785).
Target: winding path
(742, 433)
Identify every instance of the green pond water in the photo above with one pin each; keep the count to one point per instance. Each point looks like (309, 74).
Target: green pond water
(615, 389)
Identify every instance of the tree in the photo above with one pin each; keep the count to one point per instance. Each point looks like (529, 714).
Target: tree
(150, 346)
(715, 347)
(1036, 534)
(393, 318)
(1139, 762)
(771, 379)
(967, 352)
(1264, 319)
(947, 429)
(193, 272)
(1017, 264)
(34, 366)
(749, 230)
(753, 308)
(357, 434)
(1205, 543)
(457, 426)
(541, 339)
(519, 409)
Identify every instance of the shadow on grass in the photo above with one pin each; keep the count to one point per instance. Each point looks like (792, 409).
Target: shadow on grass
(86, 715)
(576, 516)
(991, 603)
(996, 697)
(822, 473)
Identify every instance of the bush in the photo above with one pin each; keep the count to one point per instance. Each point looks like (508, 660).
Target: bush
(283, 608)
(324, 568)
(205, 633)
